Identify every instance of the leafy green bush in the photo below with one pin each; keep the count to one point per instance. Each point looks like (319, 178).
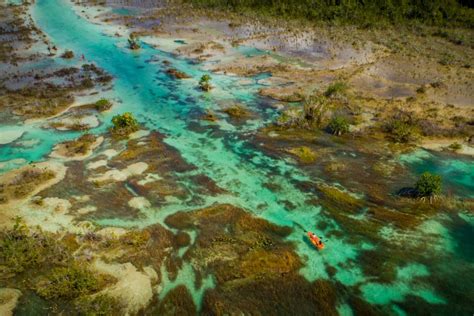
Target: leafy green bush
(402, 131)
(338, 126)
(68, 282)
(103, 105)
(205, 83)
(124, 124)
(428, 185)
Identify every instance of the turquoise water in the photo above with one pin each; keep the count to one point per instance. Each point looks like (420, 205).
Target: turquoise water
(222, 153)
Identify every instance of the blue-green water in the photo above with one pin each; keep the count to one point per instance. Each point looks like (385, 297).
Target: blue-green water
(240, 168)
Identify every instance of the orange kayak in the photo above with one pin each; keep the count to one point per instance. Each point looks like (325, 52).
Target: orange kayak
(316, 241)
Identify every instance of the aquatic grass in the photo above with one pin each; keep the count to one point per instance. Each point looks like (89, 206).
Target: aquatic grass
(340, 198)
(304, 154)
(237, 111)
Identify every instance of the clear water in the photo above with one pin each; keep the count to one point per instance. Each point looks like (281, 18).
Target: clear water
(225, 156)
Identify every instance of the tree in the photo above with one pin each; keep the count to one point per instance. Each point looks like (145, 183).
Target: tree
(124, 124)
(133, 42)
(428, 185)
(205, 83)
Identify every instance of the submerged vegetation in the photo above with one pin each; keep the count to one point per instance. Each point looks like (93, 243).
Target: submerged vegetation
(124, 124)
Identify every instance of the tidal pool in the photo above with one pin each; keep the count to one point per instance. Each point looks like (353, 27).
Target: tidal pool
(223, 153)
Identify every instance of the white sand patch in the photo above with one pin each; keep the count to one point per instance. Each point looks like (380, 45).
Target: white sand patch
(133, 288)
(112, 232)
(443, 144)
(82, 198)
(150, 177)
(7, 137)
(8, 300)
(60, 206)
(139, 134)
(68, 123)
(110, 153)
(97, 164)
(121, 175)
(139, 202)
(51, 216)
(87, 209)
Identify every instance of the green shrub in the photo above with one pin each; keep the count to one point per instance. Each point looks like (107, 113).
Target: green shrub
(103, 105)
(335, 88)
(205, 83)
(428, 185)
(304, 153)
(401, 131)
(124, 124)
(338, 126)
(68, 282)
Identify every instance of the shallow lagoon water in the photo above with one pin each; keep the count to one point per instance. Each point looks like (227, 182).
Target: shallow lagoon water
(224, 155)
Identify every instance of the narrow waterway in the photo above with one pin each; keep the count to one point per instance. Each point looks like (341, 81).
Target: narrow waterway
(221, 152)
